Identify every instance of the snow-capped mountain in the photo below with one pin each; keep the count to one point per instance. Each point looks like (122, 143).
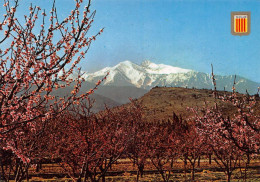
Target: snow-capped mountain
(148, 75)
(128, 73)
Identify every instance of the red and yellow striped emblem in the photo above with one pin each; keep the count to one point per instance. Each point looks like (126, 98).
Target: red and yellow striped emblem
(240, 23)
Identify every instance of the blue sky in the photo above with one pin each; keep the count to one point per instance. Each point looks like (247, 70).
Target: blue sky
(185, 33)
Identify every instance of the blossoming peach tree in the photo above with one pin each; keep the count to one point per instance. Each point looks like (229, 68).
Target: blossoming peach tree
(234, 137)
(38, 53)
(243, 128)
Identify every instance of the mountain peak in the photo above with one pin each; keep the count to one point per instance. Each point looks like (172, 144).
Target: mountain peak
(146, 63)
(124, 65)
(127, 62)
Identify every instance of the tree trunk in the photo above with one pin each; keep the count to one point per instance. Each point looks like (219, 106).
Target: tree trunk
(17, 173)
(9, 173)
(103, 178)
(86, 174)
(141, 169)
(185, 163)
(27, 175)
(228, 177)
(2, 175)
(246, 171)
(162, 174)
(193, 171)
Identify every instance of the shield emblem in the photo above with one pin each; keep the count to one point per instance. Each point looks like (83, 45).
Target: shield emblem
(240, 23)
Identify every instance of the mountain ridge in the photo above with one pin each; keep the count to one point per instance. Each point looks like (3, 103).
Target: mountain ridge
(148, 75)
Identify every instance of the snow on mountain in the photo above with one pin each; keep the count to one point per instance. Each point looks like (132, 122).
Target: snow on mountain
(127, 70)
(153, 68)
(148, 75)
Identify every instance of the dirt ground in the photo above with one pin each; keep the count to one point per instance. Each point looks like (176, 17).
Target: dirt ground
(124, 171)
